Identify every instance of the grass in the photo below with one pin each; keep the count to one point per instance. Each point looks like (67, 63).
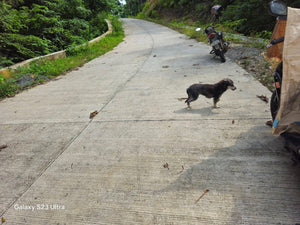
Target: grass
(231, 36)
(42, 71)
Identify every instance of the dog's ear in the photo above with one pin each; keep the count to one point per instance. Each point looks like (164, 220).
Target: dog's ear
(229, 81)
(230, 84)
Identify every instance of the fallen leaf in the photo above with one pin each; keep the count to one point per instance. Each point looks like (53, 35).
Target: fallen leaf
(32, 76)
(93, 114)
(3, 146)
(2, 220)
(154, 55)
(232, 121)
(202, 195)
(166, 165)
(165, 67)
(7, 127)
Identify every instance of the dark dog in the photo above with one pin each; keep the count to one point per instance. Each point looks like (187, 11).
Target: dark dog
(209, 91)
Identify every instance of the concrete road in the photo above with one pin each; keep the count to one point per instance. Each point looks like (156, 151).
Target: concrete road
(145, 158)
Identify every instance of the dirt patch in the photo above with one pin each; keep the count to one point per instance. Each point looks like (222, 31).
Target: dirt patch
(254, 62)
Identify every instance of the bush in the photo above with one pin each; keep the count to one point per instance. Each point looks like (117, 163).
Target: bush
(17, 47)
(77, 49)
(4, 62)
(253, 16)
(117, 26)
(43, 70)
(97, 26)
(34, 28)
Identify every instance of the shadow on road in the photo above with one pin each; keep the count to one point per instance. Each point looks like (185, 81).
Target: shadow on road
(256, 173)
(206, 111)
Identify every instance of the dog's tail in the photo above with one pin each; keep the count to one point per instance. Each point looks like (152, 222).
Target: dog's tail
(181, 99)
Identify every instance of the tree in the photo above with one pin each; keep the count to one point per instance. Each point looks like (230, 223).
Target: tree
(133, 7)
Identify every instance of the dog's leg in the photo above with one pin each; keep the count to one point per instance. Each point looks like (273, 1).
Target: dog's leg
(188, 101)
(192, 96)
(216, 100)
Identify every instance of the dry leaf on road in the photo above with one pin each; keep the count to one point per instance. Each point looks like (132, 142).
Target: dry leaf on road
(93, 114)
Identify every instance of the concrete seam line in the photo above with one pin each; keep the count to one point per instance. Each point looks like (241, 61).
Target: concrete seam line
(45, 168)
(177, 120)
(40, 123)
(76, 136)
(121, 86)
(141, 120)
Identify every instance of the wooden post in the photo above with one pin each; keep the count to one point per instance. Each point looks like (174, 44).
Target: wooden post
(279, 31)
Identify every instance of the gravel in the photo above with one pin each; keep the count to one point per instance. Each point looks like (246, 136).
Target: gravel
(254, 62)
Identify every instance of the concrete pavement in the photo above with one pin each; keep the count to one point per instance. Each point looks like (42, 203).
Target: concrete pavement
(145, 158)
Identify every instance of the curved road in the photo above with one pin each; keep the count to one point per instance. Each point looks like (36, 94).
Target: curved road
(144, 158)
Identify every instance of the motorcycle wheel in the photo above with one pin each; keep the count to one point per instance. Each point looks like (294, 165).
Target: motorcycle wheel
(274, 104)
(221, 54)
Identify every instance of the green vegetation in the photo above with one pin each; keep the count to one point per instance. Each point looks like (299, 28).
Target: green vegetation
(189, 30)
(249, 17)
(41, 71)
(30, 28)
(133, 7)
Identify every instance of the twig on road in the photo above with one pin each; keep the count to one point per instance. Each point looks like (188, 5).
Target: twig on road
(202, 195)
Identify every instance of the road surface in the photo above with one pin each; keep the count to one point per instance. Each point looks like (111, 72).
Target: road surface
(144, 158)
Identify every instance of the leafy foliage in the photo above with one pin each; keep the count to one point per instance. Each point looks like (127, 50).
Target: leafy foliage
(18, 46)
(30, 28)
(244, 16)
(253, 13)
(40, 71)
(133, 7)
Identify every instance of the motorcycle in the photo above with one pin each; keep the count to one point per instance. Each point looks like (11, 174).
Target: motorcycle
(278, 9)
(275, 98)
(292, 135)
(216, 41)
